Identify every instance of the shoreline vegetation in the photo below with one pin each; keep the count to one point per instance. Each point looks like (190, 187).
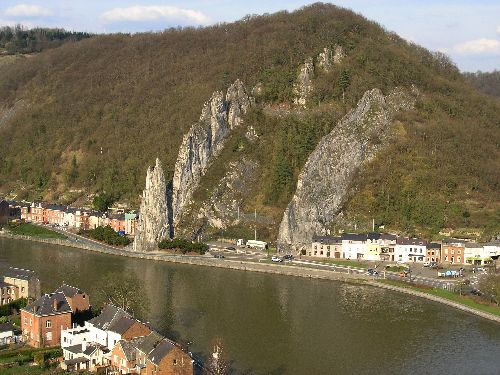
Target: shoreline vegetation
(451, 299)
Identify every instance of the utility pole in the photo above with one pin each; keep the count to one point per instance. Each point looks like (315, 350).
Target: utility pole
(373, 225)
(255, 226)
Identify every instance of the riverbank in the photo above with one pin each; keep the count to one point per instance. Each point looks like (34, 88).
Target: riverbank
(278, 269)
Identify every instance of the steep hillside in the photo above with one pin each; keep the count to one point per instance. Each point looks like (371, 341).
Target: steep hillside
(486, 82)
(96, 113)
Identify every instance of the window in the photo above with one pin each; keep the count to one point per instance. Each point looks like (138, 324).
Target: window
(321, 252)
(22, 289)
(175, 361)
(48, 324)
(453, 252)
(48, 336)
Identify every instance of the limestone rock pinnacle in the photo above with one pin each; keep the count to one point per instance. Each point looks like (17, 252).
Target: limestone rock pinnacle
(152, 225)
(205, 140)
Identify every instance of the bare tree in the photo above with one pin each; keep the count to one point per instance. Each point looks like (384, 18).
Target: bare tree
(123, 290)
(217, 364)
(490, 286)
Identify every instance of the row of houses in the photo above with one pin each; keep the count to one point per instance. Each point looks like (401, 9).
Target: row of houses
(18, 283)
(65, 216)
(113, 340)
(390, 247)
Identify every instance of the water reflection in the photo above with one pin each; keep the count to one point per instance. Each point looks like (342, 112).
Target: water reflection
(284, 325)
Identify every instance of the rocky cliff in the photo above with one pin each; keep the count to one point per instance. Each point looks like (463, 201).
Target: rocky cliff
(222, 208)
(329, 57)
(303, 86)
(329, 171)
(153, 225)
(205, 140)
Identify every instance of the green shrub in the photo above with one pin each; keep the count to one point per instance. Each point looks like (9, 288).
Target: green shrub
(106, 234)
(184, 246)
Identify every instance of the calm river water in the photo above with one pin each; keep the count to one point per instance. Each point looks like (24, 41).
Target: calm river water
(282, 325)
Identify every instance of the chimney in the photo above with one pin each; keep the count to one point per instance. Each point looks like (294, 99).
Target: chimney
(84, 345)
(55, 304)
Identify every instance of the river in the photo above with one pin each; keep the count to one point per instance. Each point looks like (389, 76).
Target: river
(276, 325)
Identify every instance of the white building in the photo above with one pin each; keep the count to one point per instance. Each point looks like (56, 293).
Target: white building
(410, 250)
(6, 334)
(90, 346)
(354, 246)
(69, 218)
(474, 253)
(73, 336)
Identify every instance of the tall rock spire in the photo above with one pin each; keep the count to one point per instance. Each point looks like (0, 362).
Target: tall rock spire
(205, 140)
(153, 224)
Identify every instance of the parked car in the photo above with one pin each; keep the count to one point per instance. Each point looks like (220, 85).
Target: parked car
(400, 262)
(276, 259)
(403, 274)
(219, 256)
(372, 272)
(230, 248)
(287, 257)
(427, 264)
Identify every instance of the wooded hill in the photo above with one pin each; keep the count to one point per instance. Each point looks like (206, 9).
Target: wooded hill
(89, 117)
(487, 82)
(17, 40)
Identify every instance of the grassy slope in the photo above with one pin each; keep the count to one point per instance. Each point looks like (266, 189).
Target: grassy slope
(34, 231)
(463, 300)
(135, 97)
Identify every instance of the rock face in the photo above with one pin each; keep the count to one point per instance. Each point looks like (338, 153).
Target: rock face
(153, 225)
(7, 113)
(328, 58)
(205, 140)
(303, 86)
(329, 171)
(222, 208)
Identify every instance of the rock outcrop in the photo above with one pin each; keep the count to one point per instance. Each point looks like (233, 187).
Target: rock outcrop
(153, 224)
(328, 58)
(205, 140)
(303, 86)
(222, 208)
(6, 114)
(329, 171)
